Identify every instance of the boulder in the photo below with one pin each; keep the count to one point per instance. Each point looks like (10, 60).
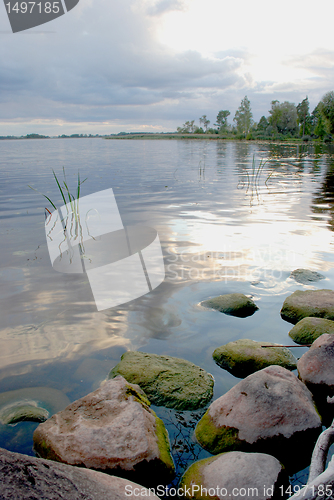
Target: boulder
(308, 330)
(234, 304)
(316, 370)
(235, 475)
(303, 304)
(270, 411)
(306, 276)
(24, 477)
(167, 381)
(111, 430)
(23, 411)
(243, 357)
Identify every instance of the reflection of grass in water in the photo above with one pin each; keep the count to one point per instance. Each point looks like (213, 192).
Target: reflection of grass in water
(253, 179)
(184, 447)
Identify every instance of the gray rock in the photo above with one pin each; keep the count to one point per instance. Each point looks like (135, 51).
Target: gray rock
(113, 430)
(23, 477)
(316, 370)
(303, 304)
(255, 475)
(243, 357)
(308, 330)
(234, 304)
(167, 381)
(270, 411)
(23, 411)
(306, 276)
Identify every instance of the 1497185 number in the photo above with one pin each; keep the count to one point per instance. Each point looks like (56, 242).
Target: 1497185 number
(30, 7)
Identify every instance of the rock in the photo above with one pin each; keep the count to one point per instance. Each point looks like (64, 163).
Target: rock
(24, 477)
(167, 381)
(243, 357)
(46, 397)
(234, 304)
(316, 370)
(111, 430)
(21, 411)
(252, 474)
(270, 411)
(299, 305)
(305, 276)
(308, 330)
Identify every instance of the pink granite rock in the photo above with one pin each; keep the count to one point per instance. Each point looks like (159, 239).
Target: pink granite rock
(270, 411)
(113, 430)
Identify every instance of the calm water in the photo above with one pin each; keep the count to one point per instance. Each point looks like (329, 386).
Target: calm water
(224, 227)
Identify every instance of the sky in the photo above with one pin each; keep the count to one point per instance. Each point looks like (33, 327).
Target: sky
(109, 66)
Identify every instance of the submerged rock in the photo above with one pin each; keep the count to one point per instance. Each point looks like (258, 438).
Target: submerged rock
(234, 304)
(308, 330)
(243, 357)
(316, 370)
(167, 381)
(303, 304)
(251, 474)
(112, 430)
(24, 477)
(23, 411)
(306, 276)
(270, 411)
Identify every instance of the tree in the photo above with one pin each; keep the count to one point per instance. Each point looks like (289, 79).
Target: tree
(187, 128)
(263, 124)
(283, 117)
(222, 120)
(203, 120)
(303, 112)
(326, 107)
(243, 117)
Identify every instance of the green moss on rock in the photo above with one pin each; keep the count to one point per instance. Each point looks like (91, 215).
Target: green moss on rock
(307, 330)
(167, 381)
(193, 476)
(217, 439)
(234, 304)
(244, 356)
(309, 303)
(23, 412)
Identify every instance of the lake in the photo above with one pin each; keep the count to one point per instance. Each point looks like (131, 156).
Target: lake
(231, 217)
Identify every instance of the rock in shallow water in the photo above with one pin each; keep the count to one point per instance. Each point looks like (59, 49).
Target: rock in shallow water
(303, 304)
(308, 330)
(167, 381)
(234, 304)
(23, 411)
(24, 477)
(113, 430)
(270, 411)
(243, 357)
(235, 475)
(306, 276)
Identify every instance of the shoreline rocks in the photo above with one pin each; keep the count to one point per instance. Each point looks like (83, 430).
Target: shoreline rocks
(166, 381)
(270, 411)
(219, 476)
(243, 357)
(306, 276)
(24, 477)
(303, 304)
(307, 330)
(233, 304)
(112, 430)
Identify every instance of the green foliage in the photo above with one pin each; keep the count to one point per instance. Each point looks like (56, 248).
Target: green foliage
(222, 120)
(205, 122)
(283, 117)
(303, 112)
(187, 128)
(263, 124)
(243, 117)
(326, 107)
(198, 130)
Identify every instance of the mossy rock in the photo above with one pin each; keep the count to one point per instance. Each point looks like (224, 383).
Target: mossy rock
(234, 304)
(307, 330)
(244, 356)
(167, 381)
(309, 303)
(21, 411)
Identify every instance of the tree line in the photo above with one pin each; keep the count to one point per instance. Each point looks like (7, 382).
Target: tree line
(285, 121)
